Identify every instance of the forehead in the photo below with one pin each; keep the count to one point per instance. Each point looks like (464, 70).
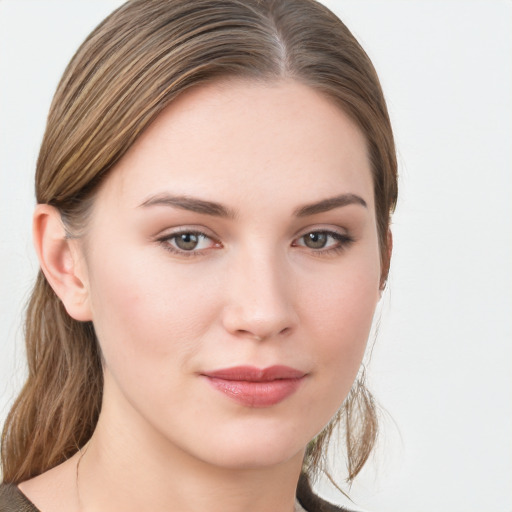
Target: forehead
(247, 140)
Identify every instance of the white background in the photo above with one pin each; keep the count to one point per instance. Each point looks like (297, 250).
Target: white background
(442, 362)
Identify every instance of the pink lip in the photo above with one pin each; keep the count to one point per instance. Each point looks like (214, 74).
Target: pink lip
(254, 387)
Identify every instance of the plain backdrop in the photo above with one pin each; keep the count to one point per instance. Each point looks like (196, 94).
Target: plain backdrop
(441, 365)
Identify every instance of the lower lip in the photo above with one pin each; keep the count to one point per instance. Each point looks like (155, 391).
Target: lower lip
(256, 394)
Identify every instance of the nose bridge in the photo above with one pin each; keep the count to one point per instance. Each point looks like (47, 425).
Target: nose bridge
(260, 297)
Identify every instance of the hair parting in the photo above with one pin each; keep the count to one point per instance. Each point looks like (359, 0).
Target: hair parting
(128, 70)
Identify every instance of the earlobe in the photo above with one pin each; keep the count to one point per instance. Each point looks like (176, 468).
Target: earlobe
(60, 260)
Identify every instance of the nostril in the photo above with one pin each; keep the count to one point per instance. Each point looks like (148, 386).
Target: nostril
(249, 334)
(256, 337)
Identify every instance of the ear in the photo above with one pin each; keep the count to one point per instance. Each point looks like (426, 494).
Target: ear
(386, 261)
(61, 261)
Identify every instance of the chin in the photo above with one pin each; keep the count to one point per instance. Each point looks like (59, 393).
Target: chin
(255, 457)
(253, 449)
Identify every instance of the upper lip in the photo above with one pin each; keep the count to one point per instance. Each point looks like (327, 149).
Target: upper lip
(253, 374)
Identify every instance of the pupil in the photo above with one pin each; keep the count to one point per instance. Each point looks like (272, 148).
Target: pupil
(315, 240)
(187, 241)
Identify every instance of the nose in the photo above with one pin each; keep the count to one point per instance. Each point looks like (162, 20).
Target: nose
(260, 302)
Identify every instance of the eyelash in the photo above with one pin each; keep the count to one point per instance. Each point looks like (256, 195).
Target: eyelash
(344, 241)
(166, 242)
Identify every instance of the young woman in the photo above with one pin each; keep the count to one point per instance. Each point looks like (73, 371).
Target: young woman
(214, 193)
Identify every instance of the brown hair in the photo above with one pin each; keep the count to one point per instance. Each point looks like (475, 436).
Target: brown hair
(137, 61)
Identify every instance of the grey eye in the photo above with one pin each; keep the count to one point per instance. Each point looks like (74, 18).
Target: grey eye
(317, 240)
(186, 241)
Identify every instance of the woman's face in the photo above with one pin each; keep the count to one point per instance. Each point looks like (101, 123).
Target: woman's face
(232, 267)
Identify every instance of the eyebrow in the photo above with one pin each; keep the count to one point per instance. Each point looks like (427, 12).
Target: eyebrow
(218, 210)
(191, 204)
(329, 204)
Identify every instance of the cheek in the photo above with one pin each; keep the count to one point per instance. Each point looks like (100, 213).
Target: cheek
(340, 314)
(145, 315)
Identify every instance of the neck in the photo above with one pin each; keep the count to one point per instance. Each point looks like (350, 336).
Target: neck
(135, 480)
(123, 471)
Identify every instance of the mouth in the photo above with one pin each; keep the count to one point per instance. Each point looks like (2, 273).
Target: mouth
(255, 387)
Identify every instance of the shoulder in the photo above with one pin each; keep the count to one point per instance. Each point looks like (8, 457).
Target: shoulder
(310, 502)
(13, 500)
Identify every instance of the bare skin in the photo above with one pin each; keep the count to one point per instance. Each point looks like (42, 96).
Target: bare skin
(239, 230)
